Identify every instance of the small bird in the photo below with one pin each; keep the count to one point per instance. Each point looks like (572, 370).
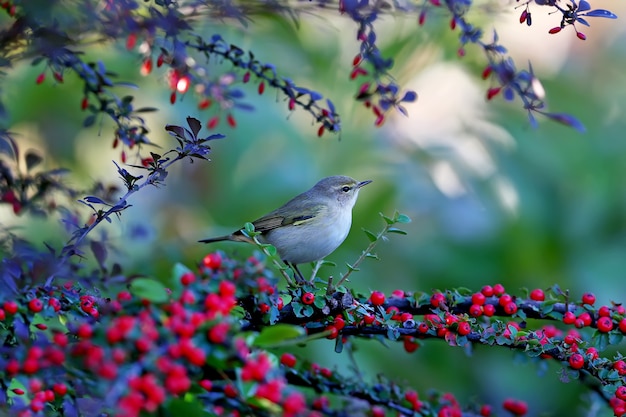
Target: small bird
(310, 226)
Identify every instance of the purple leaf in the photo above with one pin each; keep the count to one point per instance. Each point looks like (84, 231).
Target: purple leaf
(567, 120)
(409, 97)
(508, 94)
(195, 125)
(331, 106)
(315, 96)
(601, 13)
(92, 199)
(582, 21)
(583, 5)
(532, 120)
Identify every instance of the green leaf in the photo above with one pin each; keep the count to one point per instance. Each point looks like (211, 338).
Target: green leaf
(277, 334)
(388, 220)
(615, 338)
(371, 236)
(249, 228)
(308, 311)
(403, 218)
(180, 407)
(319, 302)
(600, 340)
(149, 289)
(396, 230)
(271, 250)
(351, 268)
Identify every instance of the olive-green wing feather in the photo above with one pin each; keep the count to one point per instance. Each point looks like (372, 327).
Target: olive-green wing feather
(295, 212)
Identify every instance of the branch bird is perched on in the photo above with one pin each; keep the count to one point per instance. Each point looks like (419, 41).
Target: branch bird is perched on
(311, 225)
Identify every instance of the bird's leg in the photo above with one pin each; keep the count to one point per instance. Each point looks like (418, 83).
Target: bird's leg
(296, 272)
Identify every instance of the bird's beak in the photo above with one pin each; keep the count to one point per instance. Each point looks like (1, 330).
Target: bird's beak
(362, 183)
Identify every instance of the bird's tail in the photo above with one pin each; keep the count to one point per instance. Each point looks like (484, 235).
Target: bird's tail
(216, 239)
(235, 237)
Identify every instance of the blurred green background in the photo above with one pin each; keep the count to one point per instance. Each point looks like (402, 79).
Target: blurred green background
(492, 200)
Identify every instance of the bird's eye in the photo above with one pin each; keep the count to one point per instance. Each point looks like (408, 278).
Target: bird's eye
(345, 189)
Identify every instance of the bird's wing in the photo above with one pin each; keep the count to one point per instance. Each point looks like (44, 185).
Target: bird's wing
(279, 218)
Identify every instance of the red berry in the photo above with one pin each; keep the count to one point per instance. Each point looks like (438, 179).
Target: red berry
(505, 299)
(206, 384)
(576, 361)
(10, 307)
(485, 410)
(589, 298)
(554, 30)
(187, 278)
(411, 396)
(333, 332)
(212, 261)
(308, 298)
(605, 324)
(537, 295)
(410, 344)
(377, 298)
(288, 360)
(35, 305)
(517, 407)
(340, 323)
(464, 328)
(622, 325)
(146, 67)
(397, 293)
(592, 353)
(261, 87)
(204, 104)
(498, 290)
(60, 389)
(378, 411)
(230, 391)
(487, 290)
(437, 299)
(586, 318)
(620, 367)
(476, 310)
(492, 92)
(569, 317)
(604, 311)
(522, 17)
(489, 310)
(478, 298)
(510, 308)
(264, 308)
(212, 123)
(621, 392)
(487, 72)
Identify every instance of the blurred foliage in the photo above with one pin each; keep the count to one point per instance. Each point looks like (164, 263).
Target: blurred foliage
(564, 220)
